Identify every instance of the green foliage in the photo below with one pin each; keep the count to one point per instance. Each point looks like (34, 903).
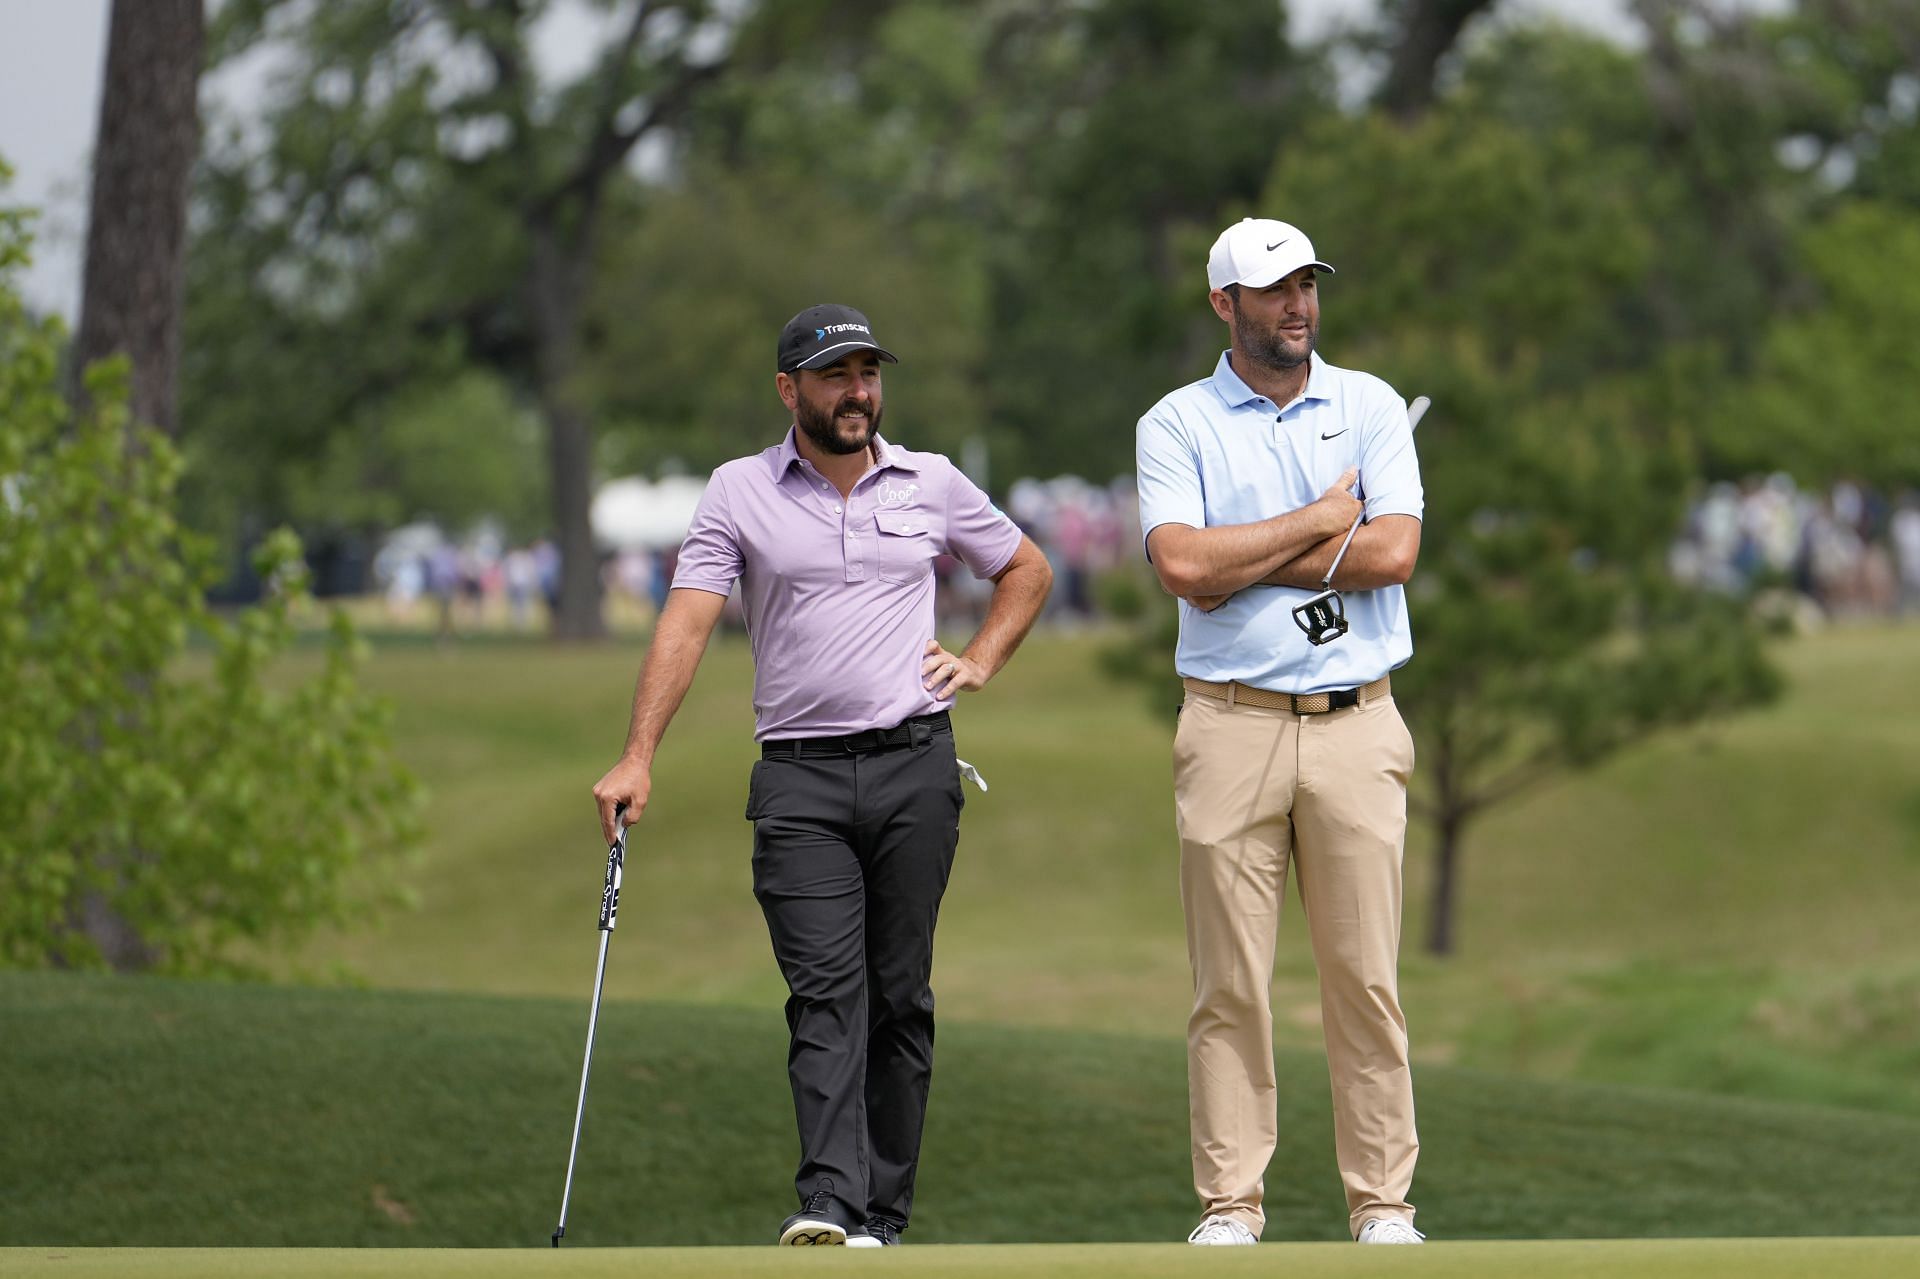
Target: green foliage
(1024, 191)
(324, 294)
(188, 796)
(1160, 131)
(1558, 458)
(453, 452)
(1560, 453)
(686, 373)
(1831, 396)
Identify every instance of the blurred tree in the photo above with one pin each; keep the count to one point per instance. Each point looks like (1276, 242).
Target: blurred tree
(148, 135)
(1862, 62)
(893, 198)
(688, 379)
(419, 196)
(456, 452)
(259, 808)
(1422, 32)
(1162, 124)
(1609, 266)
(1501, 259)
(1798, 133)
(1559, 457)
(1847, 414)
(1049, 169)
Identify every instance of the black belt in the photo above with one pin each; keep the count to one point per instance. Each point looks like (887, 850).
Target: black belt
(911, 732)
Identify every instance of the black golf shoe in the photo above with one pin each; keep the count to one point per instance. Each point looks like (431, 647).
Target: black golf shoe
(814, 1226)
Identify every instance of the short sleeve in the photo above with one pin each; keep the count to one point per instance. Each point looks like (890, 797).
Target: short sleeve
(710, 558)
(1389, 468)
(1168, 475)
(978, 532)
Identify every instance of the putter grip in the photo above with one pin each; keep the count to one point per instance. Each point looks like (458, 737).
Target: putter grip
(610, 894)
(616, 861)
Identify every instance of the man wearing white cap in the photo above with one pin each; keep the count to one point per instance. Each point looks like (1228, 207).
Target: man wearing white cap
(1288, 752)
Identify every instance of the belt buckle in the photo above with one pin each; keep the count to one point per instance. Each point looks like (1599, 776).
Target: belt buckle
(1341, 699)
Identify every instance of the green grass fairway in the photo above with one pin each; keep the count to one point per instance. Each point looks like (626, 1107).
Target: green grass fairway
(1640, 1259)
(1786, 836)
(175, 1114)
(1727, 908)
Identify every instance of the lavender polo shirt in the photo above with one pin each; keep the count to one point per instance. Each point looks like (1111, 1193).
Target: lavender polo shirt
(838, 592)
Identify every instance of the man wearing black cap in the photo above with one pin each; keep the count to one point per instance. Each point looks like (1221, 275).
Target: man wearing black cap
(855, 800)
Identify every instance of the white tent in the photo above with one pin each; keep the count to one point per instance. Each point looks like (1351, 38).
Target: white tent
(636, 514)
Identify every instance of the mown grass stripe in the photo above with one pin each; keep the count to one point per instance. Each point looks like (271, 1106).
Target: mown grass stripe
(169, 1113)
(1573, 1259)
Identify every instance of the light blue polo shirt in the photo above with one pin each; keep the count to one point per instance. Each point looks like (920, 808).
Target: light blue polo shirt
(1217, 452)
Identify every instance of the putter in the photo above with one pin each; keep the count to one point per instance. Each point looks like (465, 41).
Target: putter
(609, 908)
(1324, 616)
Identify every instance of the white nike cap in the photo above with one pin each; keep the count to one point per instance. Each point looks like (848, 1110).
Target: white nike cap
(1257, 251)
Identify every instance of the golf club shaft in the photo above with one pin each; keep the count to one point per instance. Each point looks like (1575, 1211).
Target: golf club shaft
(586, 1068)
(1415, 411)
(609, 916)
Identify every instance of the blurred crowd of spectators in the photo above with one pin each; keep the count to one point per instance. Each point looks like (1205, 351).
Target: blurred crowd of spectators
(1086, 530)
(1852, 550)
(478, 581)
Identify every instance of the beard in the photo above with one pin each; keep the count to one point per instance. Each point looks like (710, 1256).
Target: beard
(1283, 355)
(824, 430)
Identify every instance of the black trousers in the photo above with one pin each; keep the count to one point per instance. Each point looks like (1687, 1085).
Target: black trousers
(851, 854)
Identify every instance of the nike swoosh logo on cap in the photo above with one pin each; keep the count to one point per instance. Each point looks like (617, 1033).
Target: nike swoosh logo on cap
(1277, 243)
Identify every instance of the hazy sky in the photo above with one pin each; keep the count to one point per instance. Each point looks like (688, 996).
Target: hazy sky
(52, 53)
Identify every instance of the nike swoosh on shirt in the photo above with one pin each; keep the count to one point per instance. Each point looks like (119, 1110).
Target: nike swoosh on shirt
(1342, 431)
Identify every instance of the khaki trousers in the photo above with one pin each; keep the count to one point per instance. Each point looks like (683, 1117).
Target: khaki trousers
(1256, 789)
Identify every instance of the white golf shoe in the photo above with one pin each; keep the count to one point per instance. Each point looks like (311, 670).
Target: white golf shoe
(1390, 1230)
(1218, 1230)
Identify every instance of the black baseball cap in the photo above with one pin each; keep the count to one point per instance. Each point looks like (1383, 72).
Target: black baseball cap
(822, 334)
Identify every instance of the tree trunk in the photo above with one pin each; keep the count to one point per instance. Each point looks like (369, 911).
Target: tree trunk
(570, 457)
(143, 158)
(130, 297)
(1445, 880)
(1428, 31)
(558, 287)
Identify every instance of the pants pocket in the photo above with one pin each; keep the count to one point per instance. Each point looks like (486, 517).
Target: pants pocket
(753, 789)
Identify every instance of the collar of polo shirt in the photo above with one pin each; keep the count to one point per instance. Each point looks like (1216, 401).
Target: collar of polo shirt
(885, 456)
(1235, 392)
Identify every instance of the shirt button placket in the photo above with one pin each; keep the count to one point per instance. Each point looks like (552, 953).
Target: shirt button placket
(856, 562)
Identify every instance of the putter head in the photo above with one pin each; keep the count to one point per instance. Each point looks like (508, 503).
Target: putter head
(1323, 617)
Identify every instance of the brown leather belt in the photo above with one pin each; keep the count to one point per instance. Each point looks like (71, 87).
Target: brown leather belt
(1238, 694)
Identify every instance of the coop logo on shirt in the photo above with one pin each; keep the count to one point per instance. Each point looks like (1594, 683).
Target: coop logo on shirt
(892, 494)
